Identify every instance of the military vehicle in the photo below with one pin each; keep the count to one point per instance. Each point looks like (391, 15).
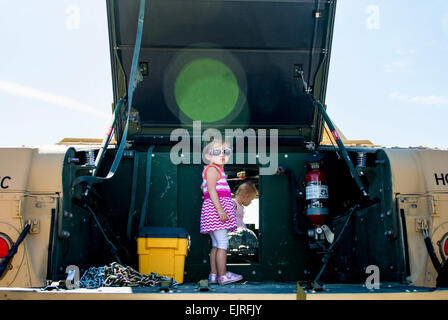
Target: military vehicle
(335, 219)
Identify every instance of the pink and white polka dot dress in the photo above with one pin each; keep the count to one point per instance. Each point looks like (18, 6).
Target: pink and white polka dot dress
(209, 215)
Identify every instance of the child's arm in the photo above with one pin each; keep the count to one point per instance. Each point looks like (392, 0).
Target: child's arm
(212, 177)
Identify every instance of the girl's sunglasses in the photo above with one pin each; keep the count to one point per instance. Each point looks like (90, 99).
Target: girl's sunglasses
(218, 152)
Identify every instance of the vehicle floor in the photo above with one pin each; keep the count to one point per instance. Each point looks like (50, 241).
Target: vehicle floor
(249, 290)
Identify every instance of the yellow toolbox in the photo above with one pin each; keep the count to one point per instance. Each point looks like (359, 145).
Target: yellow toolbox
(163, 250)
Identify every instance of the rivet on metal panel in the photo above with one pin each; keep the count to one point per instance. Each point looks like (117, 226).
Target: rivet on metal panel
(389, 234)
(68, 214)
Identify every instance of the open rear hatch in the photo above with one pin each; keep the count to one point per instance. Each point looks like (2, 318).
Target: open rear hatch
(225, 63)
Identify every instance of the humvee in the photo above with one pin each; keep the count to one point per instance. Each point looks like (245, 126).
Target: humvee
(259, 69)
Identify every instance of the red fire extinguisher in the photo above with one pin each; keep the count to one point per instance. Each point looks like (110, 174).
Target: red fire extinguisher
(316, 191)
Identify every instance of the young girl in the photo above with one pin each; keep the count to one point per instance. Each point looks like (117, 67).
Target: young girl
(244, 195)
(218, 214)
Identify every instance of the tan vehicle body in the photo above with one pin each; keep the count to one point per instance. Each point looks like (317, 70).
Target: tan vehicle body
(33, 191)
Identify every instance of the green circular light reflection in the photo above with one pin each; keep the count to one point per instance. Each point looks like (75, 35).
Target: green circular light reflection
(206, 90)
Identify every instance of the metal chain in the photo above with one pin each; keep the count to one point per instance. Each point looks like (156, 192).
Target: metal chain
(116, 275)
(92, 278)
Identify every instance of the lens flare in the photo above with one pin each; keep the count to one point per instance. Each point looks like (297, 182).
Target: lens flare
(206, 90)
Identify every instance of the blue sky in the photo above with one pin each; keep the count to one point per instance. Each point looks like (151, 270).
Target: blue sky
(387, 81)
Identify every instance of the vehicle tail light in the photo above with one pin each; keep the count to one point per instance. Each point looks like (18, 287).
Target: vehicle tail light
(445, 247)
(4, 248)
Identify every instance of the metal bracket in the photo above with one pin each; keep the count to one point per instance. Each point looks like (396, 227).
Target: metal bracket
(328, 234)
(310, 145)
(421, 225)
(165, 285)
(63, 234)
(35, 226)
(143, 67)
(433, 206)
(298, 68)
(134, 117)
(203, 285)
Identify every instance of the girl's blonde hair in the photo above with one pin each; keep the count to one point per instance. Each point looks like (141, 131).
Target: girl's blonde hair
(210, 146)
